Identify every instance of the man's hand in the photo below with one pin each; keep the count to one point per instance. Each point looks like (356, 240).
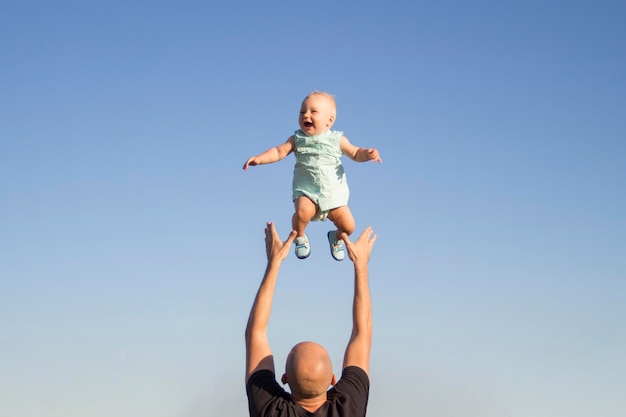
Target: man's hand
(276, 249)
(360, 250)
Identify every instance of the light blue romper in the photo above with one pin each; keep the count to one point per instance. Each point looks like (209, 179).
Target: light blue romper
(318, 173)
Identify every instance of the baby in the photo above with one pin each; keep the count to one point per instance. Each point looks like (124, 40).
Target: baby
(320, 189)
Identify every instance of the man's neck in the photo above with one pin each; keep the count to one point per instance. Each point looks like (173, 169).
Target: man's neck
(310, 404)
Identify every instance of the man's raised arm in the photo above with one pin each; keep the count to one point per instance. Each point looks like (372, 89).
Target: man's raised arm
(258, 351)
(359, 346)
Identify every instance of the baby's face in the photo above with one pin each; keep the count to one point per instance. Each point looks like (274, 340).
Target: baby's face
(317, 114)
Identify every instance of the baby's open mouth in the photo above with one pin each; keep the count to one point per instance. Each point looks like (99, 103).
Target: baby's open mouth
(308, 124)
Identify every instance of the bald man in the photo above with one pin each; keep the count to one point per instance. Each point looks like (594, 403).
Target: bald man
(308, 370)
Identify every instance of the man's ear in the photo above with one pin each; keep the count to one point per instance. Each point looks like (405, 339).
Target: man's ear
(333, 380)
(283, 379)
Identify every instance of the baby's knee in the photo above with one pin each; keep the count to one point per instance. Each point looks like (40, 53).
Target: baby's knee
(348, 226)
(343, 219)
(305, 208)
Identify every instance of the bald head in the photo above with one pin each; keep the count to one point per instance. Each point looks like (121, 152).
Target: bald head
(309, 370)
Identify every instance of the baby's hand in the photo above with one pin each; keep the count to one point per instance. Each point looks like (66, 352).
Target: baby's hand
(374, 155)
(252, 161)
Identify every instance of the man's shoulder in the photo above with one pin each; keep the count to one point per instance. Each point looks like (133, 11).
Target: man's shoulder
(355, 371)
(354, 382)
(261, 377)
(351, 393)
(264, 393)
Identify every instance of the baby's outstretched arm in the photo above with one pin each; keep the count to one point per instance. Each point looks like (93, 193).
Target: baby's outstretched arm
(359, 154)
(271, 155)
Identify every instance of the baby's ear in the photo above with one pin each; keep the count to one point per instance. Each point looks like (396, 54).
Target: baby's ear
(331, 119)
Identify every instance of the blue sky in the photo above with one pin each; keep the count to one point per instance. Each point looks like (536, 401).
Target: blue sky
(132, 240)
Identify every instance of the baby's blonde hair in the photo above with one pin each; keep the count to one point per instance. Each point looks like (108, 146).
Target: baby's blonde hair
(329, 96)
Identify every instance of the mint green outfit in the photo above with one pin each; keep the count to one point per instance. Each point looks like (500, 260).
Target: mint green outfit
(318, 173)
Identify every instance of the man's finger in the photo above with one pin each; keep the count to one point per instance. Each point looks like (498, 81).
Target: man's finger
(366, 233)
(272, 228)
(291, 237)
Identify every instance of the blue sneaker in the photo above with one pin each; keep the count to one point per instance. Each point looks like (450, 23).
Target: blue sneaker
(303, 249)
(337, 247)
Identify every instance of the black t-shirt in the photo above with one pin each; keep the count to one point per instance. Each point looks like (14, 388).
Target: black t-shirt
(348, 398)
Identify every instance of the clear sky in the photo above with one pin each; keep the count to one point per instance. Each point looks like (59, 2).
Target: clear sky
(131, 241)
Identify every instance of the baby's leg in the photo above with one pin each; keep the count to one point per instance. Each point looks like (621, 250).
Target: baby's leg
(343, 220)
(305, 209)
